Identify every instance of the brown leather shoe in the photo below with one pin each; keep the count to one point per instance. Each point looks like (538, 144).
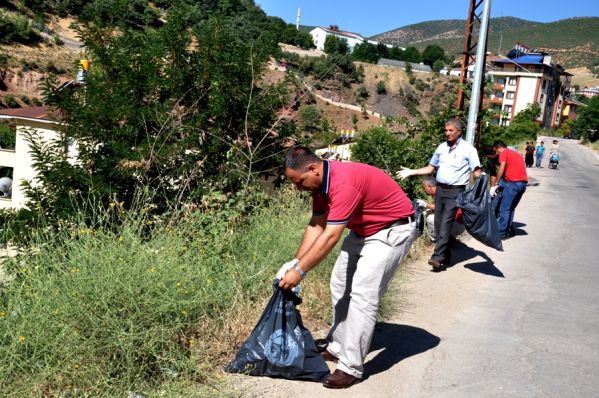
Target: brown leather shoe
(437, 265)
(327, 356)
(340, 379)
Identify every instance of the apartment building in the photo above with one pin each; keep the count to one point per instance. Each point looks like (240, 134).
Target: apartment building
(521, 81)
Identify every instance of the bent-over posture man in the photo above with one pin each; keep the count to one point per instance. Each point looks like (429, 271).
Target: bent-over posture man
(379, 215)
(453, 160)
(430, 187)
(513, 178)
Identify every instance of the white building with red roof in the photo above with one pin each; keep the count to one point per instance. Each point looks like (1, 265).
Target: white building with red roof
(319, 35)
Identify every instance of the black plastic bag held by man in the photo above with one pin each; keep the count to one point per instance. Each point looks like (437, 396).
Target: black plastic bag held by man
(280, 345)
(479, 213)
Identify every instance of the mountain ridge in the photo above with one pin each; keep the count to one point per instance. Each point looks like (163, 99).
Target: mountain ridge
(574, 41)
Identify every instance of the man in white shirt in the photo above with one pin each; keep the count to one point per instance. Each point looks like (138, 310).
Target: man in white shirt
(454, 161)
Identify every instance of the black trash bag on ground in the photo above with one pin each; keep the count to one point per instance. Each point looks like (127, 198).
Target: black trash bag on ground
(280, 345)
(478, 210)
(418, 218)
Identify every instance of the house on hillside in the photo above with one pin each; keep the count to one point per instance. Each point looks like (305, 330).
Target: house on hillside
(339, 149)
(588, 92)
(319, 36)
(17, 162)
(528, 78)
(402, 65)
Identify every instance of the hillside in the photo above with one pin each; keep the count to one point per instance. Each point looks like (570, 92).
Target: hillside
(575, 41)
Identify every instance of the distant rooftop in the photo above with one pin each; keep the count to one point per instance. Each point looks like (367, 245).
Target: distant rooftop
(402, 64)
(335, 30)
(34, 112)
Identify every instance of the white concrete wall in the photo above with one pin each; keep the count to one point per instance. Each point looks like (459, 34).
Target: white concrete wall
(526, 92)
(20, 160)
(319, 36)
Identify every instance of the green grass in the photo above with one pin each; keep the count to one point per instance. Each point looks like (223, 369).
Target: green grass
(94, 312)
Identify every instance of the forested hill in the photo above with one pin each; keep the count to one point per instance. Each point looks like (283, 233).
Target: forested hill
(574, 41)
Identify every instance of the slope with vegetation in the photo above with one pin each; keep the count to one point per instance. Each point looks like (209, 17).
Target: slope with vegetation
(575, 41)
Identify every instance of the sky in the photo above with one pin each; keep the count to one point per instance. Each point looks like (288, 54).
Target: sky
(370, 17)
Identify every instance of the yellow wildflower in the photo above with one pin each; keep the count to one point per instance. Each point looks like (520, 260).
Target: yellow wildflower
(21, 339)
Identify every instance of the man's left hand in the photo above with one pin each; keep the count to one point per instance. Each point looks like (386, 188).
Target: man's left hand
(291, 279)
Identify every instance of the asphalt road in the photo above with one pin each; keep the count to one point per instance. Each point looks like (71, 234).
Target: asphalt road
(519, 323)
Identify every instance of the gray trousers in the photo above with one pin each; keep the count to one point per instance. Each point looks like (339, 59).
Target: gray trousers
(446, 208)
(361, 276)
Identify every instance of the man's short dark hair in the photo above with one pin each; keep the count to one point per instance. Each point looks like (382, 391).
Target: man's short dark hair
(456, 122)
(499, 144)
(299, 157)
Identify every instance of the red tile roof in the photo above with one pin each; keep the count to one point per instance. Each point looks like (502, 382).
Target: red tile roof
(34, 112)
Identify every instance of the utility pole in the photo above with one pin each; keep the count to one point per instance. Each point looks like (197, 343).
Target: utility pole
(479, 72)
(479, 11)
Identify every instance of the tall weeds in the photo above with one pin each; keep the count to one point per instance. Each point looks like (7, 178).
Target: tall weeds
(98, 312)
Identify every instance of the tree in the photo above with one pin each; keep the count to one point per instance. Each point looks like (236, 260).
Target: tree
(411, 54)
(438, 65)
(159, 112)
(432, 53)
(365, 52)
(310, 117)
(586, 125)
(335, 45)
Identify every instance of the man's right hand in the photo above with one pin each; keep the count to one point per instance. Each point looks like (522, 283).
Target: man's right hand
(286, 267)
(404, 173)
(421, 202)
(493, 190)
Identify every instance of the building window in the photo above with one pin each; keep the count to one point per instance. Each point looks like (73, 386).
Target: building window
(507, 108)
(6, 182)
(499, 94)
(501, 81)
(544, 84)
(542, 99)
(512, 81)
(510, 95)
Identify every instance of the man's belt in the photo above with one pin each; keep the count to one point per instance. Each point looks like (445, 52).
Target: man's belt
(446, 186)
(401, 221)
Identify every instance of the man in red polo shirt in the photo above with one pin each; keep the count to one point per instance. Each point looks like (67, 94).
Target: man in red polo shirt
(379, 215)
(512, 176)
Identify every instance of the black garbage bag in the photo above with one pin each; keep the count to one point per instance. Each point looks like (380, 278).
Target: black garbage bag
(280, 345)
(418, 218)
(478, 210)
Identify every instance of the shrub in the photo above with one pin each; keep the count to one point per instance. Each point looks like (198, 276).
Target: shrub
(16, 29)
(362, 93)
(7, 136)
(10, 101)
(381, 88)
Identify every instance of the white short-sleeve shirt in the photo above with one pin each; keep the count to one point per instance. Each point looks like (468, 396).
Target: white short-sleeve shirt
(454, 165)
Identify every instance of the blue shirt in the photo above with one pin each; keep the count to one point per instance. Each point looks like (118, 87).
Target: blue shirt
(454, 165)
(540, 150)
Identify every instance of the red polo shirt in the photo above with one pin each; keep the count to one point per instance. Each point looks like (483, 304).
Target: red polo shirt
(515, 170)
(361, 196)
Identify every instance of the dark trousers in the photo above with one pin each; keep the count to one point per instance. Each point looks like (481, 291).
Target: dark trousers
(446, 208)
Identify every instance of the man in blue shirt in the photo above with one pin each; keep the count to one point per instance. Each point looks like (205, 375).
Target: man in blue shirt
(454, 161)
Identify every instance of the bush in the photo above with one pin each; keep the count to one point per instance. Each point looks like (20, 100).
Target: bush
(16, 29)
(10, 101)
(381, 88)
(8, 136)
(362, 93)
